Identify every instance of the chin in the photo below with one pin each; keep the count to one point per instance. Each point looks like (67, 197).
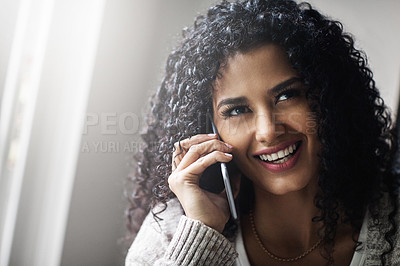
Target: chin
(283, 187)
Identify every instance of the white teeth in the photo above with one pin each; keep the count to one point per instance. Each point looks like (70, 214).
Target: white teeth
(286, 152)
(282, 160)
(282, 155)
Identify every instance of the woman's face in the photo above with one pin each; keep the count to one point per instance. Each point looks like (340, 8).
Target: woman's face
(260, 108)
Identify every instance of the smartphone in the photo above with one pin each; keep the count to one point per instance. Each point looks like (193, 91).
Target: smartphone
(216, 177)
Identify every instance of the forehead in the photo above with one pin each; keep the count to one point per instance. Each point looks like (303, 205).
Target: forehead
(261, 68)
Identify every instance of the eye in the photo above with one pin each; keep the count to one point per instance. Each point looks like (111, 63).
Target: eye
(287, 95)
(235, 111)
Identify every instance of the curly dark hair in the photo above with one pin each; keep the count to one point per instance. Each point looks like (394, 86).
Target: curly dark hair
(354, 125)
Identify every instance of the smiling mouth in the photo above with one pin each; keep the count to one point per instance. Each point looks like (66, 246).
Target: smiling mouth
(280, 156)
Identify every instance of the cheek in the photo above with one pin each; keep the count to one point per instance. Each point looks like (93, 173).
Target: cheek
(300, 120)
(238, 135)
(234, 127)
(240, 142)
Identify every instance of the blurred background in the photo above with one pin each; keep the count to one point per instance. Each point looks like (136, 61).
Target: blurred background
(75, 77)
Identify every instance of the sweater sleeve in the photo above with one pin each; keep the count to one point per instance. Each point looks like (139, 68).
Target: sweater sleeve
(187, 242)
(194, 243)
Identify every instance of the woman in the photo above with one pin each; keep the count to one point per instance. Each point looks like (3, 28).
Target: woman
(304, 129)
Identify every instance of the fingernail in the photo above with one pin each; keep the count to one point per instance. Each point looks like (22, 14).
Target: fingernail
(228, 154)
(228, 145)
(212, 135)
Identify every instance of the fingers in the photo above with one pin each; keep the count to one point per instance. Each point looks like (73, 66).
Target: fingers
(181, 147)
(198, 167)
(191, 174)
(197, 154)
(191, 157)
(202, 149)
(189, 150)
(184, 145)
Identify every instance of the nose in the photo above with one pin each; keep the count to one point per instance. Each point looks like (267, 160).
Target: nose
(268, 128)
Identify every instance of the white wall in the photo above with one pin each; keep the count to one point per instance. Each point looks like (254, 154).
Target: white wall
(8, 18)
(45, 96)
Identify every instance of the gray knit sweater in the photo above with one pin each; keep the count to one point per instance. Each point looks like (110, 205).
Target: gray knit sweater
(178, 240)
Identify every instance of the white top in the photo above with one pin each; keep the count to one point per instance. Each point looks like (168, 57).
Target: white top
(357, 260)
(242, 259)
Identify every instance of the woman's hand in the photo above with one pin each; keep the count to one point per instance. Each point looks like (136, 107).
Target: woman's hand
(189, 161)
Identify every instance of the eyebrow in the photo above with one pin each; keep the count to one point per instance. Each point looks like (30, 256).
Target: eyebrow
(232, 101)
(278, 88)
(273, 91)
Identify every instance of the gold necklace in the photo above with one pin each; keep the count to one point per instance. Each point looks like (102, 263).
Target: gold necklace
(305, 253)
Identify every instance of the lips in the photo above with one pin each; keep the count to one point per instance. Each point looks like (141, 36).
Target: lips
(281, 155)
(280, 158)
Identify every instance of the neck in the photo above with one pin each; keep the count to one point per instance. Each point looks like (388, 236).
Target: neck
(284, 222)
